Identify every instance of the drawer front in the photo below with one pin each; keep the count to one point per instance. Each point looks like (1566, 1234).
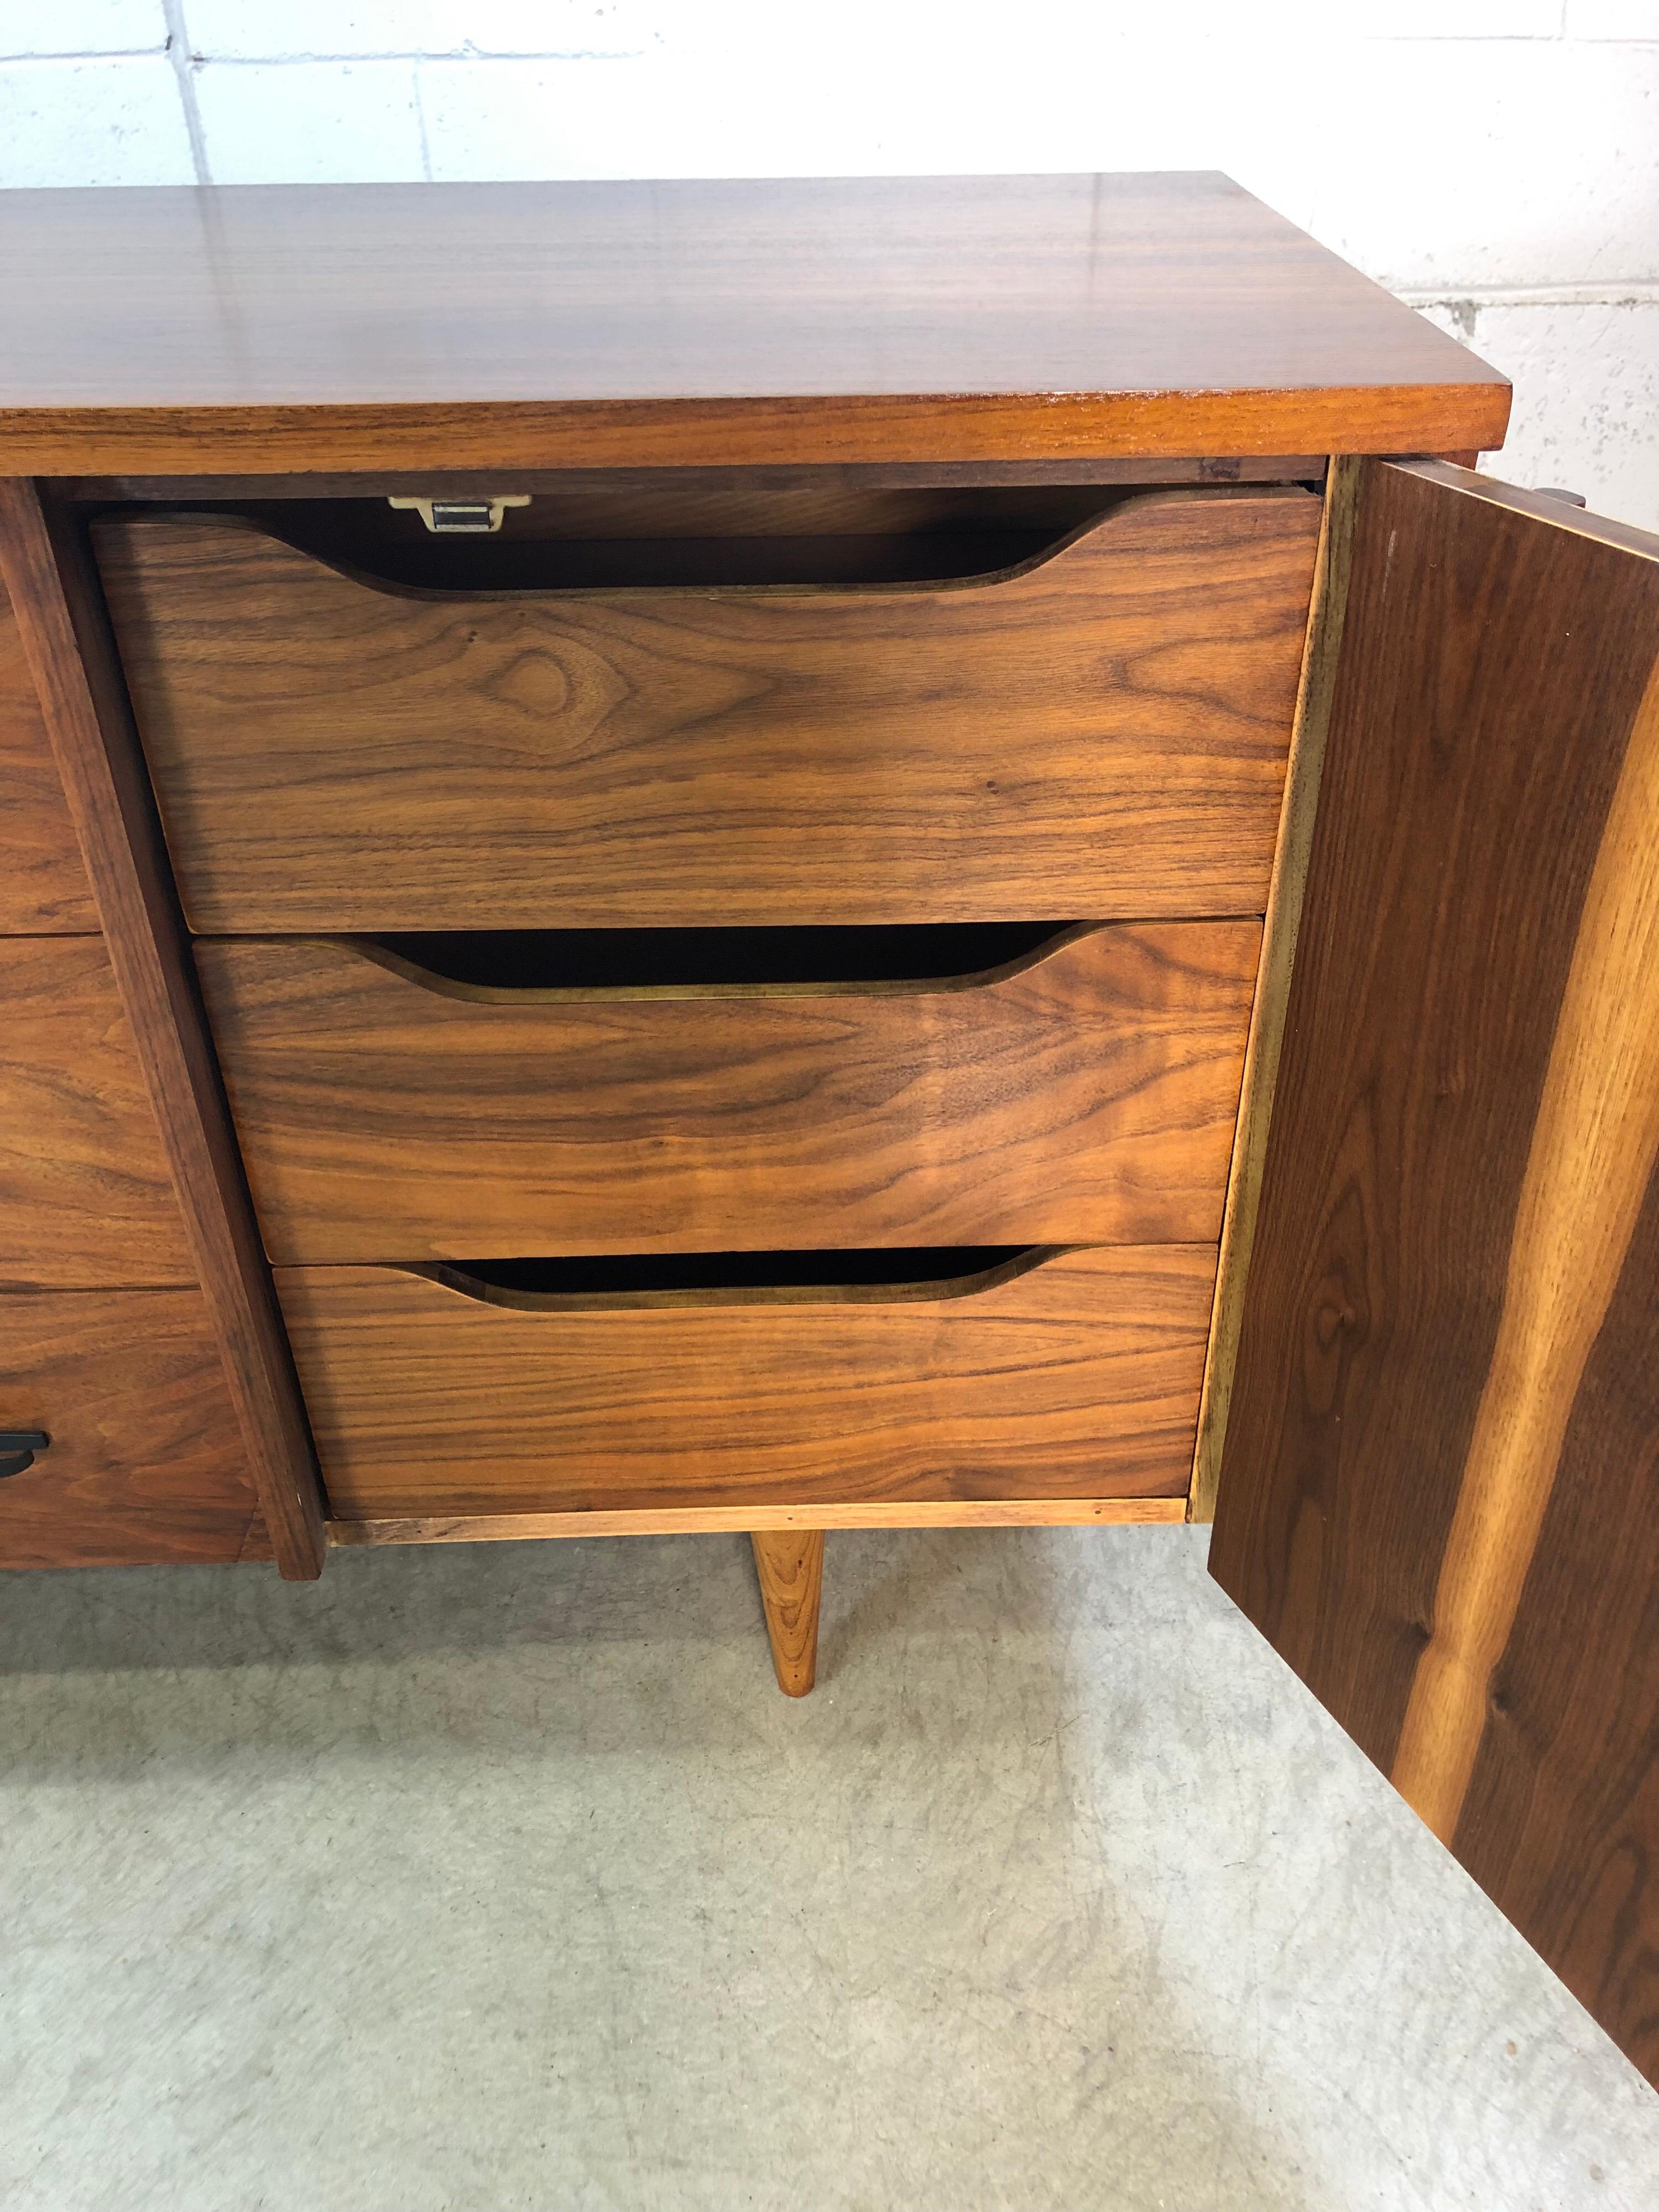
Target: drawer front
(43, 885)
(144, 1462)
(85, 1198)
(1087, 1095)
(1074, 1374)
(1102, 733)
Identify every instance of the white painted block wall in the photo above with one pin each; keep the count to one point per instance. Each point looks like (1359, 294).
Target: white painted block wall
(1494, 162)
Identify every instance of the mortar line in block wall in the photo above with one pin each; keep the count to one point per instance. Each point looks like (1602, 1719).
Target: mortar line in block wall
(1640, 292)
(82, 54)
(323, 57)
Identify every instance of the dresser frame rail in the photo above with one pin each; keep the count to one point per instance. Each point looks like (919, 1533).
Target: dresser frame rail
(71, 657)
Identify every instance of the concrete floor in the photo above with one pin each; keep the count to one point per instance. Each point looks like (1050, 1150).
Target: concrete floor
(471, 1879)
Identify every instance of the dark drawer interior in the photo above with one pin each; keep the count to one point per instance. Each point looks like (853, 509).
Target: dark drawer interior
(657, 533)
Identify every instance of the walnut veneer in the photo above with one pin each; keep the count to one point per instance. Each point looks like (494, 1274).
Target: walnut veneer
(745, 998)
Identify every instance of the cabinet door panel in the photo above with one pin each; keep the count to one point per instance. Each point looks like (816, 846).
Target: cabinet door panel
(1440, 1470)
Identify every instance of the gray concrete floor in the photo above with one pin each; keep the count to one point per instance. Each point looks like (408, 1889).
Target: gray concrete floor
(484, 1878)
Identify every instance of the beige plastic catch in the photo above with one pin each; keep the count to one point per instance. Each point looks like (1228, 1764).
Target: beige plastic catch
(464, 514)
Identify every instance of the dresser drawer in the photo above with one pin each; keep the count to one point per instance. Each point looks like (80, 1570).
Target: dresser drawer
(1102, 731)
(1060, 1375)
(144, 1461)
(1083, 1093)
(43, 885)
(85, 1198)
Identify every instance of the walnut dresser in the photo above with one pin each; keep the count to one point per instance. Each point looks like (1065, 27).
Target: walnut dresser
(780, 857)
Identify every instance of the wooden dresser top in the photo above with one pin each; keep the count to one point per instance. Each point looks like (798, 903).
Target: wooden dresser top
(1018, 319)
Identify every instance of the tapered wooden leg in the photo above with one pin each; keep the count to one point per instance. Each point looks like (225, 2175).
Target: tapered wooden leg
(790, 1565)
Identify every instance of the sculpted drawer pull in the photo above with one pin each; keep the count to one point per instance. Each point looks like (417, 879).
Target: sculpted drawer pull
(846, 1275)
(522, 966)
(18, 1447)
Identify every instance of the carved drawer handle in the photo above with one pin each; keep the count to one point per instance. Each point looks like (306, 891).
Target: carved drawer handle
(18, 1447)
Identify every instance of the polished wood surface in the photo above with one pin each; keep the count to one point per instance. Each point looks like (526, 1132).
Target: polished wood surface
(740, 1519)
(1439, 1473)
(145, 1462)
(789, 1565)
(1267, 1012)
(1564, 1841)
(86, 1198)
(71, 659)
(1086, 1094)
(43, 886)
(1077, 1375)
(434, 326)
(1100, 733)
(1589, 1168)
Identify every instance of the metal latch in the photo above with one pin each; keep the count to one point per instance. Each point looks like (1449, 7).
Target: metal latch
(464, 514)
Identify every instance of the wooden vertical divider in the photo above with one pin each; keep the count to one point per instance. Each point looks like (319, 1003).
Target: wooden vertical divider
(1284, 918)
(71, 657)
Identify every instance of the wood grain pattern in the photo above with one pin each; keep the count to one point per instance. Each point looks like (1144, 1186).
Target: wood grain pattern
(86, 1198)
(1564, 1843)
(43, 886)
(1594, 1149)
(741, 1520)
(1101, 733)
(257, 1546)
(291, 327)
(1086, 1096)
(789, 1564)
(1448, 1263)
(1284, 917)
(71, 659)
(1078, 1376)
(145, 1462)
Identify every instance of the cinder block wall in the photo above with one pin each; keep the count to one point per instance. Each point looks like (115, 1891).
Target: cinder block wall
(1496, 161)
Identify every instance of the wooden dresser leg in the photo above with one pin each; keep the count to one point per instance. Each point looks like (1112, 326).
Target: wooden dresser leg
(790, 1565)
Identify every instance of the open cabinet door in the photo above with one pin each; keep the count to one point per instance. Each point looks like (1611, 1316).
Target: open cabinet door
(1439, 1486)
